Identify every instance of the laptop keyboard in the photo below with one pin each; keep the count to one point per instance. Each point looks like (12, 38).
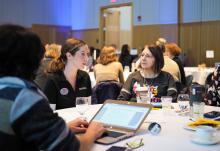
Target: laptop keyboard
(112, 134)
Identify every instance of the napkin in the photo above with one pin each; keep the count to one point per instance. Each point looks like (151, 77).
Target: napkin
(203, 121)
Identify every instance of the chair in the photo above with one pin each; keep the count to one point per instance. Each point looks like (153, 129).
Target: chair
(189, 81)
(105, 90)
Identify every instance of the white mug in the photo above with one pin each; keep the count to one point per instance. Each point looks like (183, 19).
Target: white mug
(205, 133)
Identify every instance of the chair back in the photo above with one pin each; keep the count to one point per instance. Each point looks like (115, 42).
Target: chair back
(105, 90)
(189, 80)
(185, 89)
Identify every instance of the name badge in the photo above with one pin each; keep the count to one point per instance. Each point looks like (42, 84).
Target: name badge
(64, 91)
(82, 88)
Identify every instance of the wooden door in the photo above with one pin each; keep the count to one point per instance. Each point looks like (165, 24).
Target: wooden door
(112, 27)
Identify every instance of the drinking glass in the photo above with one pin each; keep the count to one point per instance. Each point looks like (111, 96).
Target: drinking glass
(183, 102)
(82, 104)
(197, 110)
(166, 104)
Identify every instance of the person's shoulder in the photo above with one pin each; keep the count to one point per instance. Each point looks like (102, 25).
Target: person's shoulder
(56, 76)
(116, 63)
(83, 73)
(98, 65)
(135, 75)
(165, 74)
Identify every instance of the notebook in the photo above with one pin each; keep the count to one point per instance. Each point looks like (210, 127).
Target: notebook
(122, 119)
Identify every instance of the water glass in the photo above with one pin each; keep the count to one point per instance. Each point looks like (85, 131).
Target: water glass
(197, 110)
(166, 104)
(183, 102)
(82, 104)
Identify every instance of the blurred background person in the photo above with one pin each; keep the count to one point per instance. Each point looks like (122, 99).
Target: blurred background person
(125, 57)
(173, 51)
(52, 52)
(212, 96)
(68, 80)
(91, 61)
(169, 65)
(149, 73)
(107, 67)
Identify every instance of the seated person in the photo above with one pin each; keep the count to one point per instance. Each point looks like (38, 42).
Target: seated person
(125, 57)
(150, 74)
(68, 80)
(173, 51)
(52, 52)
(169, 65)
(213, 93)
(27, 121)
(108, 68)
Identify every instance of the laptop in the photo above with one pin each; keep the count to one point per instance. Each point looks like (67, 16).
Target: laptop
(122, 119)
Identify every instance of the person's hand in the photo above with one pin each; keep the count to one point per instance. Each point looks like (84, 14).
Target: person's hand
(95, 130)
(78, 125)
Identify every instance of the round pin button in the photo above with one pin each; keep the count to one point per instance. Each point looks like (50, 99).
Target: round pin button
(154, 128)
(64, 91)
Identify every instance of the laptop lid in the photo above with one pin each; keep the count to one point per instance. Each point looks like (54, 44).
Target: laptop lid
(122, 115)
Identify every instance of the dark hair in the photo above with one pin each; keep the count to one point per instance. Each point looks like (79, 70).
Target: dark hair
(71, 45)
(124, 51)
(158, 55)
(20, 52)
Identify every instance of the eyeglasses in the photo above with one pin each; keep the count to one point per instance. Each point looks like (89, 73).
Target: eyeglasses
(147, 56)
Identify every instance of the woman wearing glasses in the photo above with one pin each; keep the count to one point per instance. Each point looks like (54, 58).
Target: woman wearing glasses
(160, 83)
(68, 81)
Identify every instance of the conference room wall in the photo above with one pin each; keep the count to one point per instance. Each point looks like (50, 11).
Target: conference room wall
(196, 38)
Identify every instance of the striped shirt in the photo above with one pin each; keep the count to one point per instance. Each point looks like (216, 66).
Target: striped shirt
(27, 122)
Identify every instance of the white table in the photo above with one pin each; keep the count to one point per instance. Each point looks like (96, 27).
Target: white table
(199, 75)
(173, 136)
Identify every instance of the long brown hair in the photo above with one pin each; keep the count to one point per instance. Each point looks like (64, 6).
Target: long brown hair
(72, 45)
(107, 55)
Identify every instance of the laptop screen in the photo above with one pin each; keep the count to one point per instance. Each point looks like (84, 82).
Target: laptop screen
(121, 115)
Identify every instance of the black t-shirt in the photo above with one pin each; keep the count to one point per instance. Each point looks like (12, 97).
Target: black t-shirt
(60, 92)
(162, 85)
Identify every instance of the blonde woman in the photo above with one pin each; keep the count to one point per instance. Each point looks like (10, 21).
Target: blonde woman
(108, 67)
(52, 52)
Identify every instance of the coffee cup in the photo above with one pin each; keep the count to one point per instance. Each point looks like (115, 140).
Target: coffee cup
(205, 133)
(143, 95)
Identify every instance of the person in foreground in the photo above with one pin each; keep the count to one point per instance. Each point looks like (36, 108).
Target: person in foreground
(161, 83)
(27, 122)
(68, 80)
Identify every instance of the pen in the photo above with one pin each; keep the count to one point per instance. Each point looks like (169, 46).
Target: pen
(141, 142)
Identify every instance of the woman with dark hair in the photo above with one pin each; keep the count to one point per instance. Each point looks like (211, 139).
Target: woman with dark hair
(68, 81)
(149, 74)
(27, 121)
(125, 57)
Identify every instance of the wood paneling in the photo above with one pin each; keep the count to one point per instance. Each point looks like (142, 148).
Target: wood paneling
(148, 34)
(196, 38)
(90, 36)
(51, 33)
